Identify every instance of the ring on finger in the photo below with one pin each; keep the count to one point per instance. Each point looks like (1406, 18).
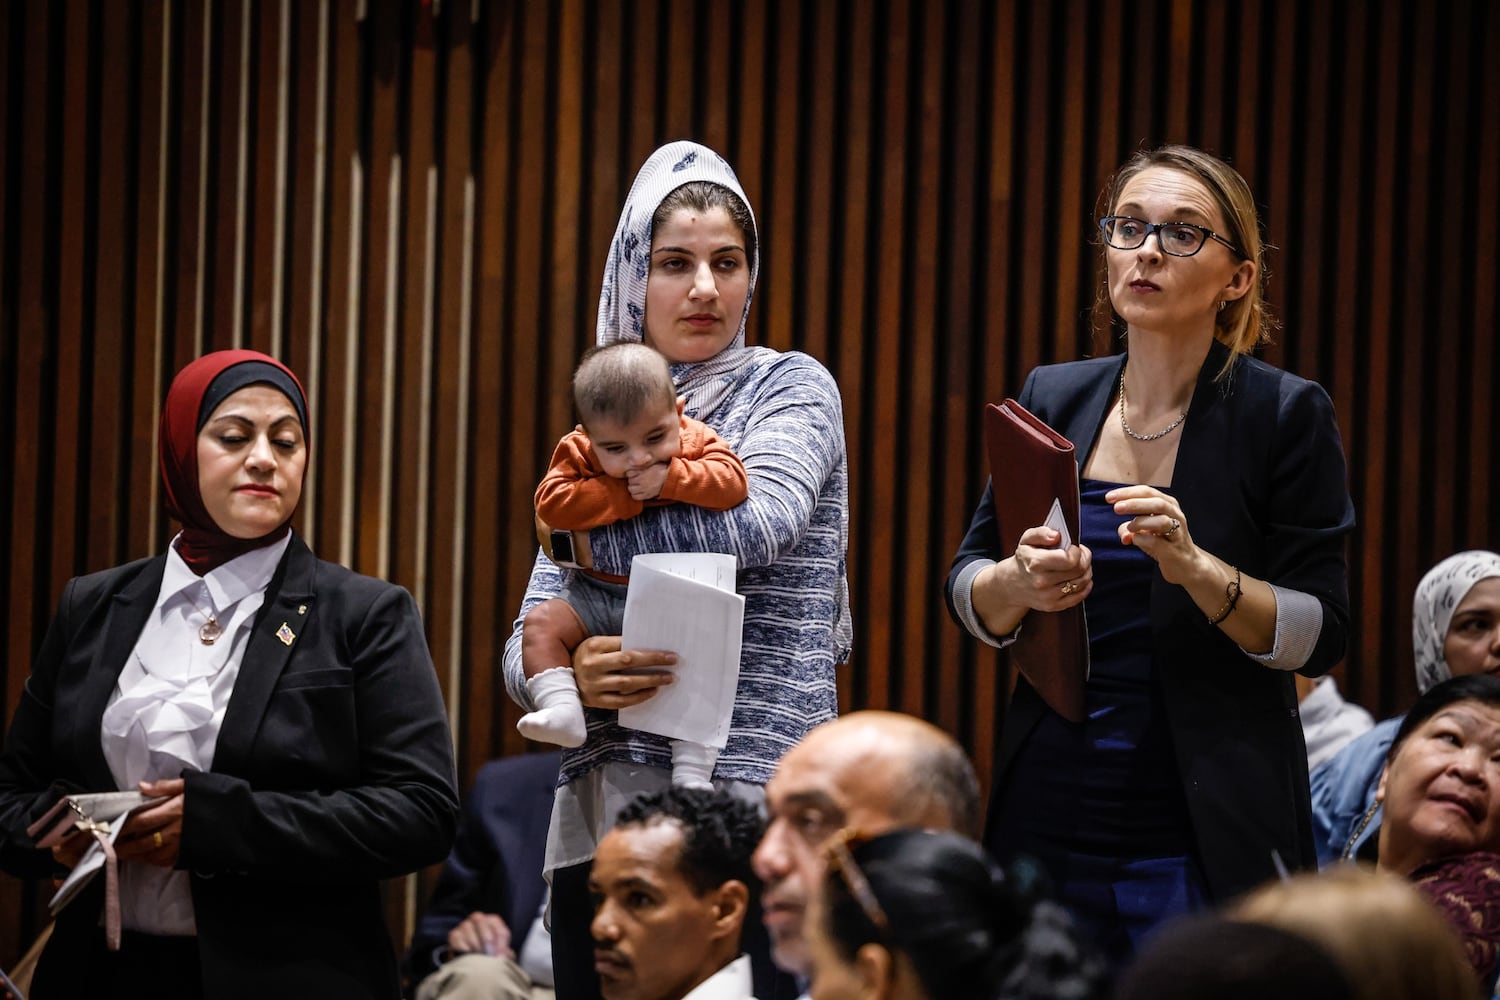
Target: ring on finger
(1173, 529)
(156, 839)
(1069, 587)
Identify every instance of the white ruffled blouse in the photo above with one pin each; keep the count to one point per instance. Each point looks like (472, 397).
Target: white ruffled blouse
(169, 702)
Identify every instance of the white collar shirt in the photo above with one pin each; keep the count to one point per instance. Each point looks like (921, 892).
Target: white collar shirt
(169, 703)
(733, 982)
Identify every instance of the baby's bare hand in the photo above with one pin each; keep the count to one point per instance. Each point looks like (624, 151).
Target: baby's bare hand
(646, 484)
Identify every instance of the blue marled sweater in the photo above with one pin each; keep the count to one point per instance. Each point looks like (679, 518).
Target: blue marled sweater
(783, 417)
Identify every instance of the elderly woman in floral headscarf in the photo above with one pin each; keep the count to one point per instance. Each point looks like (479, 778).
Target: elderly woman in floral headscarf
(1455, 632)
(680, 278)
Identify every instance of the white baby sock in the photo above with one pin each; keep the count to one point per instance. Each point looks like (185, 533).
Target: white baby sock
(693, 764)
(558, 718)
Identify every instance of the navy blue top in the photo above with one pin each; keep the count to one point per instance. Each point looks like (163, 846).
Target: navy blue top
(1106, 787)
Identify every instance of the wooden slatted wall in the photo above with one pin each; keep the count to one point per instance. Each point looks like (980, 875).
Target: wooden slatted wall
(410, 202)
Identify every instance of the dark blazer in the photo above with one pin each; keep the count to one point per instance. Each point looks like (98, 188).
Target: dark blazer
(1260, 476)
(496, 864)
(333, 770)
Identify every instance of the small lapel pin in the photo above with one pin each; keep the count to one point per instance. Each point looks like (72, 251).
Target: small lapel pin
(285, 634)
(302, 609)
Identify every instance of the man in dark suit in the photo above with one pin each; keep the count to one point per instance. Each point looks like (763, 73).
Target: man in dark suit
(472, 940)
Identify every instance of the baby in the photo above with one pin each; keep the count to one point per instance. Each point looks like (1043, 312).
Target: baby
(632, 448)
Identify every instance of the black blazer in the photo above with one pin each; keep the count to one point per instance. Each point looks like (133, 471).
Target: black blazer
(1260, 475)
(496, 864)
(333, 770)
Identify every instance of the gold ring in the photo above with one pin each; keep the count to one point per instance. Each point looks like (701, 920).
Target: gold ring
(1170, 531)
(156, 838)
(1068, 587)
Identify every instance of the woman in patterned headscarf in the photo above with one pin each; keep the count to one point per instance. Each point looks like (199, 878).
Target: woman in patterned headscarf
(1455, 618)
(1455, 632)
(680, 278)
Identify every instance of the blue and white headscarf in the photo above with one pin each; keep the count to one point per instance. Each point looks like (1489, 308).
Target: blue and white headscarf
(1439, 594)
(622, 300)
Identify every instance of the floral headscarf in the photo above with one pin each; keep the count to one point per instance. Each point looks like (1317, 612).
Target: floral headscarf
(1439, 594)
(622, 300)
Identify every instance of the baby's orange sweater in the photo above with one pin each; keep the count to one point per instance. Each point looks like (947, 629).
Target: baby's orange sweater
(577, 495)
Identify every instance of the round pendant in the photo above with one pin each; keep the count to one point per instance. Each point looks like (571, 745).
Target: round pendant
(209, 631)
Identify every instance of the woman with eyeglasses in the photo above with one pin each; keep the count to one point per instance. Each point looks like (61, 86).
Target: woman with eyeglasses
(1210, 568)
(919, 914)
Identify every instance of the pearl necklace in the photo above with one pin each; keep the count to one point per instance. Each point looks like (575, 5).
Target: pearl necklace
(1146, 437)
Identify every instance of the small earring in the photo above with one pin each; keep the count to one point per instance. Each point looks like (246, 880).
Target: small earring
(1222, 304)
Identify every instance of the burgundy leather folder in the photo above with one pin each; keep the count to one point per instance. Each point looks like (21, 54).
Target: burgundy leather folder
(1030, 466)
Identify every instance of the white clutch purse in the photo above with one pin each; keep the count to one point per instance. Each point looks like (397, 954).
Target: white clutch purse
(101, 814)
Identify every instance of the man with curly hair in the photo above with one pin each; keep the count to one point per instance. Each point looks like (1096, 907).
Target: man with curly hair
(671, 884)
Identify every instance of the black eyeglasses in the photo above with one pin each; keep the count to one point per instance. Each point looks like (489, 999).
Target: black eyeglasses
(1180, 239)
(842, 860)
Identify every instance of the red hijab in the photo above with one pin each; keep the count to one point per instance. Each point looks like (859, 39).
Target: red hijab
(195, 393)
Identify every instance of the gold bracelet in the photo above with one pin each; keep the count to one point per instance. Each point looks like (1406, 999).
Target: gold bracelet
(1231, 598)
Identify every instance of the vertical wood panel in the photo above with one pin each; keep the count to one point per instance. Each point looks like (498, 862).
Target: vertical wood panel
(423, 115)
(140, 506)
(452, 425)
(878, 393)
(114, 167)
(195, 86)
(262, 200)
(226, 171)
(918, 548)
(1347, 333)
(1411, 504)
(73, 273)
(855, 180)
(1446, 218)
(960, 306)
(489, 616)
(1380, 634)
(413, 210)
(1483, 499)
(304, 283)
(32, 594)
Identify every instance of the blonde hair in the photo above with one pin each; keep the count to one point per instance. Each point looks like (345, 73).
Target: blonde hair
(1245, 323)
(1391, 944)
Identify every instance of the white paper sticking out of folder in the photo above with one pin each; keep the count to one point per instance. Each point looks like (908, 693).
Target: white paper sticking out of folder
(685, 602)
(1059, 524)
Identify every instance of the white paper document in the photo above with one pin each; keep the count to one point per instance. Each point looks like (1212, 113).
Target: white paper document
(1059, 524)
(685, 602)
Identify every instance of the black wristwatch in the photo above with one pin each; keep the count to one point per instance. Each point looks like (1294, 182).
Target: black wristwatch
(562, 549)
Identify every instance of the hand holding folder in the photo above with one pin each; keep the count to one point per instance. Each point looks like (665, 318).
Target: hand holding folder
(102, 815)
(1034, 477)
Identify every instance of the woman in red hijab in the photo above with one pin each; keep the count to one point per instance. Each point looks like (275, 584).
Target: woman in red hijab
(283, 711)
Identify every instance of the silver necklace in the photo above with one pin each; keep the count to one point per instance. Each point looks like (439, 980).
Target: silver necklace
(1348, 852)
(1146, 437)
